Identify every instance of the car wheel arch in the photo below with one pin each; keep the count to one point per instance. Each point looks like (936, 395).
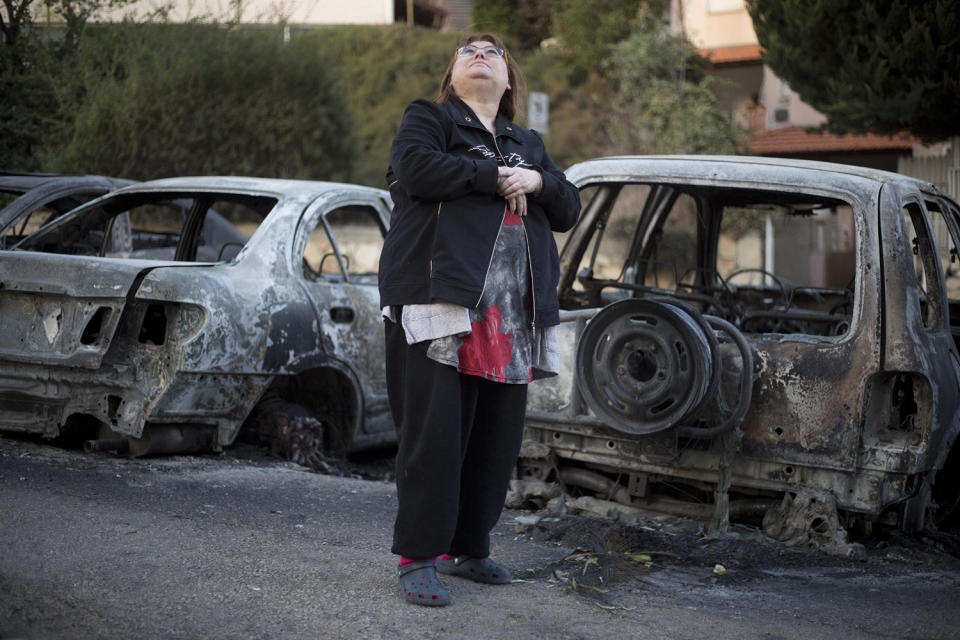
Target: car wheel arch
(331, 393)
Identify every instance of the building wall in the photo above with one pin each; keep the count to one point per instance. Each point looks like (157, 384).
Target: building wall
(307, 12)
(942, 171)
(776, 95)
(720, 24)
(715, 24)
(458, 13)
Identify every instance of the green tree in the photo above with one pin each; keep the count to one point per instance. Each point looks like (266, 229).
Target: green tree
(27, 111)
(579, 104)
(75, 15)
(522, 24)
(27, 104)
(587, 29)
(16, 16)
(651, 94)
(378, 71)
(662, 98)
(881, 66)
(31, 70)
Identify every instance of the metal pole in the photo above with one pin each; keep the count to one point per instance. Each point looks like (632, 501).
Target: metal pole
(683, 78)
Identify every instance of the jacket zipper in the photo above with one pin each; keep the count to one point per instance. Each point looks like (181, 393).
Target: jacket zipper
(533, 290)
(499, 229)
(526, 239)
(489, 262)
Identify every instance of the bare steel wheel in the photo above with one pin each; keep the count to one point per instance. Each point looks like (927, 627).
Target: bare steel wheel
(646, 364)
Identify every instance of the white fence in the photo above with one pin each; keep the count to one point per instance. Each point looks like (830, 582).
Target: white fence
(939, 171)
(943, 172)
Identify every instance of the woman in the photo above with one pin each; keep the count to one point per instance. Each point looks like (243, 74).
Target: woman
(468, 280)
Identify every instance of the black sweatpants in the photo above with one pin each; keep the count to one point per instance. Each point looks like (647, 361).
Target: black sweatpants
(459, 437)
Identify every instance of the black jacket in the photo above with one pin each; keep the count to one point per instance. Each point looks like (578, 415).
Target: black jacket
(446, 215)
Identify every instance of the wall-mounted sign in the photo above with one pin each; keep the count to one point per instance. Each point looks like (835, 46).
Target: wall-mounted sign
(538, 111)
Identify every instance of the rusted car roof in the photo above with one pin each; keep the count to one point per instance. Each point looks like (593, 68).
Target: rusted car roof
(759, 169)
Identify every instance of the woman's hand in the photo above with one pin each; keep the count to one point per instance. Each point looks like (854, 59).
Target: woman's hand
(518, 205)
(514, 183)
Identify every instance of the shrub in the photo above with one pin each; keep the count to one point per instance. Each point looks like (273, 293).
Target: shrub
(149, 101)
(379, 71)
(27, 110)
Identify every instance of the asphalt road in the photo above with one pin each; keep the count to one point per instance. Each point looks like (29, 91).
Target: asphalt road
(235, 546)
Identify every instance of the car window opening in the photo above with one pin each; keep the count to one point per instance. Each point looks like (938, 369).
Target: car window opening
(165, 226)
(345, 245)
(767, 261)
(928, 294)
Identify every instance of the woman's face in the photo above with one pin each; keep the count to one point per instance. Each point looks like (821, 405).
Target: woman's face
(477, 65)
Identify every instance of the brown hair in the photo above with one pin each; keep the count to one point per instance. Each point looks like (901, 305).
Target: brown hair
(511, 101)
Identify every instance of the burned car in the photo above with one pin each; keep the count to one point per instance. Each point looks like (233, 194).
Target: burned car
(779, 334)
(31, 200)
(167, 314)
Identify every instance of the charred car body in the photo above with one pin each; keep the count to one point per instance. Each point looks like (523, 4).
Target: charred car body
(782, 329)
(169, 312)
(31, 200)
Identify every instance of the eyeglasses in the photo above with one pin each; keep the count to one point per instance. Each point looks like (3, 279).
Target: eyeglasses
(470, 50)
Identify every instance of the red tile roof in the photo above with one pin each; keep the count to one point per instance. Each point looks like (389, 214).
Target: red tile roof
(729, 55)
(796, 140)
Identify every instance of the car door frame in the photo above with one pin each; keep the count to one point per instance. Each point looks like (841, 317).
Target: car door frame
(348, 349)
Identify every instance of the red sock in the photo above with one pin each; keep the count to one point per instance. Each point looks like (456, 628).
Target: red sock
(446, 556)
(408, 561)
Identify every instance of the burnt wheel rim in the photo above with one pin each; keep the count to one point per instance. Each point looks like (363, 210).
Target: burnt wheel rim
(644, 365)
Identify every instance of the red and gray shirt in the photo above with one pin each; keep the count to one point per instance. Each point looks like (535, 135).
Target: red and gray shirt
(495, 340)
